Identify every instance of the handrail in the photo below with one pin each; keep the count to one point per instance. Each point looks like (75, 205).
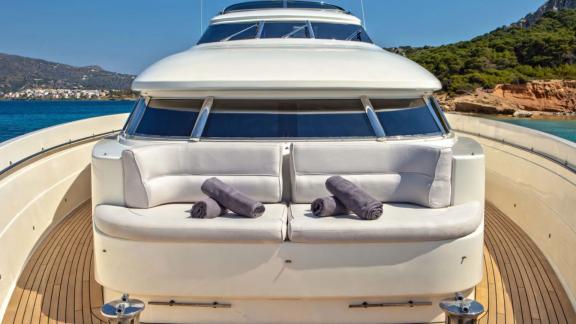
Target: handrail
(550, 147)
(55, 147)
(19, 150)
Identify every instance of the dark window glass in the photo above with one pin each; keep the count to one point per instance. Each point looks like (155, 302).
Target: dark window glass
(312, 5)
(170, 118)
(287, 119)
(285, 29)
(340, 32)
(221, 32)
(253, 5)
(405, 117)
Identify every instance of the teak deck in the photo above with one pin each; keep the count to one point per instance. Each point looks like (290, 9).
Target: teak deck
(58, 286)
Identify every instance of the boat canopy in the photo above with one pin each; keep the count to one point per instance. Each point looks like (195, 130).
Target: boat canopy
(285, 64)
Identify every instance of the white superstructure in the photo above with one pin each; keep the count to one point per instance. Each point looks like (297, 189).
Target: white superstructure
(274, 101)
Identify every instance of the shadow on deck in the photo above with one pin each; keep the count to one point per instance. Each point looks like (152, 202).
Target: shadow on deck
(57, 284)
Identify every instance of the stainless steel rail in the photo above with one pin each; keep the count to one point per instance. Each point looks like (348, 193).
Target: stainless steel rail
(549, 157)
(188, 304)
(400, 304)
(48, 150)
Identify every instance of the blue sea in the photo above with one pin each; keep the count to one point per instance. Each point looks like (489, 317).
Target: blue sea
(565, 128)
(21, 117)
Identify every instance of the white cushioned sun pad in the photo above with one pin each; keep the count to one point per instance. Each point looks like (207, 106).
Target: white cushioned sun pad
(172, 223)
(399, 173)
(398, 223)
(173, 173)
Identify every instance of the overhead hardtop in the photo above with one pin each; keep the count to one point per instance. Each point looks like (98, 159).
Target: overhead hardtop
(278, 4)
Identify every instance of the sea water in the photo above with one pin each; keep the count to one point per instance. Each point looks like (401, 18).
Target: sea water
(565, 128)
(21, 117)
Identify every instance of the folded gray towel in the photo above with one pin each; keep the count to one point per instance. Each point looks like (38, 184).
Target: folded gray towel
(328, 206)
(232, 199)
(207, 208)
(354, 198)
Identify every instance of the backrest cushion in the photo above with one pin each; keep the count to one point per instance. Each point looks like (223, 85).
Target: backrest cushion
(390, 172)
(173, 173)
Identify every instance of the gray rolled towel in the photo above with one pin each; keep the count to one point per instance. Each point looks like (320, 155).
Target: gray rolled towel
(328, 206)
(232, 199)
(354, 198)
(207, 208)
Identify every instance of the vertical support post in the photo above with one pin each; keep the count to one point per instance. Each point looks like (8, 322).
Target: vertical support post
(202, 119)
(373, 118)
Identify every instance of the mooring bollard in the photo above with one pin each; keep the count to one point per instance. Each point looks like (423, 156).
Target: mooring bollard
(123, 311)
(461, 310)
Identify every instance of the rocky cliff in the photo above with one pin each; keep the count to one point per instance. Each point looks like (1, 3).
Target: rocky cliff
(551, 5)
(541, 97)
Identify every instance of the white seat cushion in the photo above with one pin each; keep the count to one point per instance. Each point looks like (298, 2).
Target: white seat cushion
(173, 173)
(172, 223)
(399, 223)
(394, 173)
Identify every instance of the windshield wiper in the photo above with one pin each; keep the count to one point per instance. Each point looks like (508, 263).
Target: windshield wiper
(295, 31)
(239, 33)
(355, 34)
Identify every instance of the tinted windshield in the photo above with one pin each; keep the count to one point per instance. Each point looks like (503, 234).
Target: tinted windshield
(285, 29)
(287, 119)
(168, 118)
(340, 32)
(405, 117)
(227, 32)
(284, 119)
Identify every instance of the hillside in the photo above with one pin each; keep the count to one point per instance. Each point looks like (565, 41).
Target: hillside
(18, 73)
(551, 5)
(508, 55)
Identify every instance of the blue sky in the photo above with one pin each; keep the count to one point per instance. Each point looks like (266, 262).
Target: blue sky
(128, 35)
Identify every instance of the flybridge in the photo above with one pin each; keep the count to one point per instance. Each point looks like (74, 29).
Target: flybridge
(278, 4)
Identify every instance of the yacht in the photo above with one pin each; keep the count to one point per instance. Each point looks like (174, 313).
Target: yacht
(276, 97)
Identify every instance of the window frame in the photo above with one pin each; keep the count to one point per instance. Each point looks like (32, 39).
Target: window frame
(196, 134)
(261, 25)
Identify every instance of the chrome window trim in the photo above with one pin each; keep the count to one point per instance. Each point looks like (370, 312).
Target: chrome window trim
(430, 137)
(136, 116)
(260, 29)
(310, 30)
(131, 116)
(438, 108)
(432, 111)
(373, 118)
(201, 119)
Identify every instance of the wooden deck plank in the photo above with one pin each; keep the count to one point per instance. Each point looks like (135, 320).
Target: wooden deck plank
(39, 303)
(56, 277)
(57, 284)
(28, 277)
(527, 301)
(36, 290)
(560, 303)
(540, 293)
